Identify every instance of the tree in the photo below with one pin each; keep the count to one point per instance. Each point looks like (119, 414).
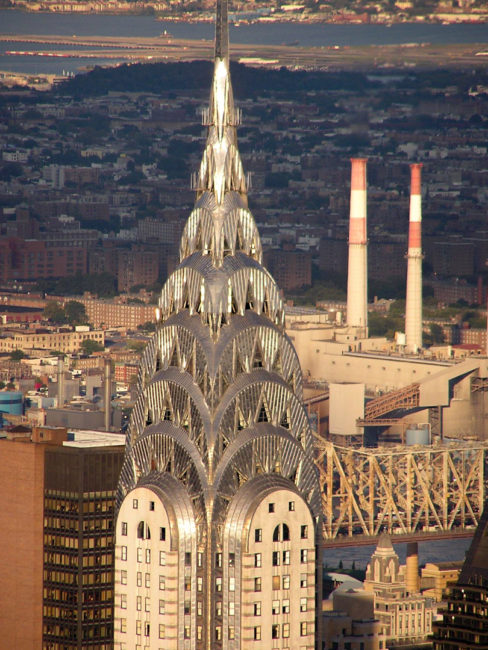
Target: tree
(149, 326)
(89, 346)
(75, 313)
(436, 333)
(17, 355)
(10, 170)
(54, 312)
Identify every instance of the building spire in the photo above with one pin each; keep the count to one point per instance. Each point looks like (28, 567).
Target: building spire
(221, 31)
(221, 168)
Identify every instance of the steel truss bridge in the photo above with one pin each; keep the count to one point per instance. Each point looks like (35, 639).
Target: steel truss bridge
(413, 493)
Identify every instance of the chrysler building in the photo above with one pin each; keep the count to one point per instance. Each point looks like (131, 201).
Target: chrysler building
(219, 505)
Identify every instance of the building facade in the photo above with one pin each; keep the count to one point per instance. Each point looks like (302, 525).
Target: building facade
(219, 503)
(108, 313)
(31, 259)
(405, 615)
(57, 539)
(464, 625)
(60, 339)
(291, 267)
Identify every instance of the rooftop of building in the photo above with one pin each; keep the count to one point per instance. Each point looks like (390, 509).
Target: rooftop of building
(60, 436)
(94, 439)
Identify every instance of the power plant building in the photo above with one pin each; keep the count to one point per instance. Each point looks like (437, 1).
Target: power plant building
(218, 507)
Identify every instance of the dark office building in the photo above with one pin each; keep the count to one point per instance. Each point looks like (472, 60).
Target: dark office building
(465, 619)
(56, 568)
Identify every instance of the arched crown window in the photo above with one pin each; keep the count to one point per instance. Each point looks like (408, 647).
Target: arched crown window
(143, 531)
(286, 533)
(276, 534)
(281, 533)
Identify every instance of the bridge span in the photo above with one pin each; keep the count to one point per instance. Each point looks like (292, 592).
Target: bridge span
(414, 493)
(344, 541)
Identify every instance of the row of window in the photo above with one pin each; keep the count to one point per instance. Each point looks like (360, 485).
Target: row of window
(410, 624)
(135, 504)
(408, 606)
(280, 582)
(147, 604)
(162, 581)
(71, 577)
(70, 525)
(282, 630)
(140, 554)
(291, 506)
(281, 533)
(278, 607)
(143, 628)
(143, 530)
(277, 558)
(284, 555)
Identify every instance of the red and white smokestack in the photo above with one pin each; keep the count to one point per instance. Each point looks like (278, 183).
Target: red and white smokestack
(413, 310)
(357, 271)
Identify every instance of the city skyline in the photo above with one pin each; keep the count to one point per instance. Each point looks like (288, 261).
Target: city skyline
(262, 433)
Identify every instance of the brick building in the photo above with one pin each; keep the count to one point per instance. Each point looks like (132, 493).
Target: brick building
(453, 258)
(107, 313)
(138, 266)
(451, 291)
(124, 372)
(291, 268)
(151, 229)
(104, 259)
(31, 259)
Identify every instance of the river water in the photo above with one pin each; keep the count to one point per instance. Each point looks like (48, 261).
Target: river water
(445, 550)
(16, 22)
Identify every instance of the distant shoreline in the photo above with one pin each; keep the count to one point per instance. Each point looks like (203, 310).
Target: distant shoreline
(444, 19)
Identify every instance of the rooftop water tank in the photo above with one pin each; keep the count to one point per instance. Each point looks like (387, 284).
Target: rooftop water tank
(11, 402)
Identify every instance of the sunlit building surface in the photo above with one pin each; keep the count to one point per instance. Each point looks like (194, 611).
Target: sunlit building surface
(219, 502)
(405, 615)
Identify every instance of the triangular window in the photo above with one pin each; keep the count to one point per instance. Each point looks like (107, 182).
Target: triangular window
(167, 415)
(257, 361)
(249, 298)
(263, 416)
(285, 423)
(174, 358)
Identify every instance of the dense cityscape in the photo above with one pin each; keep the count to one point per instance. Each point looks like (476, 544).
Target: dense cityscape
(334, 11)
(202, 406)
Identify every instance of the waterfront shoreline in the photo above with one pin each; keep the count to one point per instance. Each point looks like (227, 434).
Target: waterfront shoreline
(444, 19)
(63, 45)
(169, 49)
